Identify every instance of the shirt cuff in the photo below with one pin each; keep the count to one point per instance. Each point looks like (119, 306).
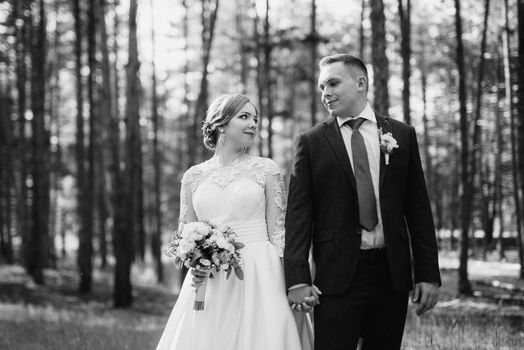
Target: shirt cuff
(298, 286)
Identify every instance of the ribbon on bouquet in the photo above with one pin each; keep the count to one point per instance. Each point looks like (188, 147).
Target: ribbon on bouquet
(200, 296)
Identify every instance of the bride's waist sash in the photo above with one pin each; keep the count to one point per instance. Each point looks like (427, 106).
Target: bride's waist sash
(250, 231)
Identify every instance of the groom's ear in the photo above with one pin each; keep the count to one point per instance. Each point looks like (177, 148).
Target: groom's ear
(362, 83)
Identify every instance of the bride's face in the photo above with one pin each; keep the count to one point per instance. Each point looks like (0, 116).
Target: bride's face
(241, 130)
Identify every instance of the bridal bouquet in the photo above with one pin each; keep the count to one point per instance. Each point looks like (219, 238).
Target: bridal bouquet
(206, 247)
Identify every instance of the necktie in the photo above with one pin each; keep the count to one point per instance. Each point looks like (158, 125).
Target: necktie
(366, 195)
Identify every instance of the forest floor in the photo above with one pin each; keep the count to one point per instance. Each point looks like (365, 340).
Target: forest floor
(56, 316)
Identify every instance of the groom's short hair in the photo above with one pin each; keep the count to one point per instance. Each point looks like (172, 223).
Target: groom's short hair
(347, 59)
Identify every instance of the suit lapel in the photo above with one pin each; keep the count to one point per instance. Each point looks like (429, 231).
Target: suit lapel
(382, 123)
(334, 137)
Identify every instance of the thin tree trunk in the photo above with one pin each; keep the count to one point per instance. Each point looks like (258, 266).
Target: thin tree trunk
(477, 128)
(24, 223)
(7, 169)
(40, 142)
(314, 64)
(186, 122)
(362, 36)
(378, 57)
(116, 80)
(209, 15)
(55, 102)
(425, 122)
(405, 29)
(520, 111)
(260, 78)
(242, 44)
(123, 289)
(464, 286)
(514, 150)
(85, 252)
(156, 243)
(455, 184)
(82, 206)
(107, 114)
(499, 126)
(268, 83)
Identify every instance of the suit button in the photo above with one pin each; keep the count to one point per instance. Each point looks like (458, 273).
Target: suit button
(359, 231)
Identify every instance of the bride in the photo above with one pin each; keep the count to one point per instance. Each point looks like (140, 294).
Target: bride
(246, 193)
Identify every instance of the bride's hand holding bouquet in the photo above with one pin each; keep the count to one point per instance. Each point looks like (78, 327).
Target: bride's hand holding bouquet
(207, 249)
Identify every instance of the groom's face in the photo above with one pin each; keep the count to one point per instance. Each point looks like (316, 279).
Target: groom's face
(340, 88)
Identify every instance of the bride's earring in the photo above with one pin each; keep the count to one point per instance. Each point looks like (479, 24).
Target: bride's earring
(244, 149)
(221, 138)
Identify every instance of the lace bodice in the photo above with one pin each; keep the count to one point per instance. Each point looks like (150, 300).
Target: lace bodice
(250, 189)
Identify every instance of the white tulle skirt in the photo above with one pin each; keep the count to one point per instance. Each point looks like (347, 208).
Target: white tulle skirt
(252, 314)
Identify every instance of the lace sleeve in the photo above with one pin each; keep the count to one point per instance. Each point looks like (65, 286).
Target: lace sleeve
(276, 201)
(187, 213)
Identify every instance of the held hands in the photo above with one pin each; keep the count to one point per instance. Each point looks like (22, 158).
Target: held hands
(304, 298)
(425, 295)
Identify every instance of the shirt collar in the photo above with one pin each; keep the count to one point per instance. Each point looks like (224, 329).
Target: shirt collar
(367, 113)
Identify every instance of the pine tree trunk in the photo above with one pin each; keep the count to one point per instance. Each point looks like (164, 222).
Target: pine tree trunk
(268, 83)
(81, 174)
(24, 221)
(405, 29)
(209, 15)
(7, 169)
(362, 33)
(56, 151)
(156, 243)
(520, 111)
(116, 81)
(85, 252)
(379, 58)
(313, 89)
(126, 244)
(511, 115)
(40, 153)
(260, 76)
(499, 126)
(464, 286)
(242, 45)
(108, 113)
(455, 185)
(477, 128)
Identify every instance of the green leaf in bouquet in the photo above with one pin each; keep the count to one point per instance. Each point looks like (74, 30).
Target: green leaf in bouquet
(239, 273)
(238, 245)
(228, 273)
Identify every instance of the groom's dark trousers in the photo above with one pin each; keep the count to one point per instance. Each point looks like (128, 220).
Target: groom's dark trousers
(364, 293)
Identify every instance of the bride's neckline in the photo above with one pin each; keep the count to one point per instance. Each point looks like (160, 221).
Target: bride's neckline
(214, 161)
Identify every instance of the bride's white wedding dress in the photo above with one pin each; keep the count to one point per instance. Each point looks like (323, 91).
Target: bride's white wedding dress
(252, 314)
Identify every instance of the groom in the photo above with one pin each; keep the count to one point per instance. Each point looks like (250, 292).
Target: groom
(357, 193)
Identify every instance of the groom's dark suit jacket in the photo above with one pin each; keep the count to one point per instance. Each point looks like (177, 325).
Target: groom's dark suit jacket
(323, 210)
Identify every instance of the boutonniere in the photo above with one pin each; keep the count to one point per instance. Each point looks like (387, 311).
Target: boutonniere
(387, 144)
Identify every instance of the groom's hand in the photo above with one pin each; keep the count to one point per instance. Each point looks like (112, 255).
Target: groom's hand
(425, 295)
(304, 298)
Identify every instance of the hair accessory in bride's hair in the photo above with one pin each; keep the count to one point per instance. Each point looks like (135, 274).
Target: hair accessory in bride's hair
(209, 132)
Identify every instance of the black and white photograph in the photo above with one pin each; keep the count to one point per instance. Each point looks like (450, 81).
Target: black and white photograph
(261, 174)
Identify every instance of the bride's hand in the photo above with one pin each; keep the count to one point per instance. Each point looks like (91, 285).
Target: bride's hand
(198, 277)
(304, 298)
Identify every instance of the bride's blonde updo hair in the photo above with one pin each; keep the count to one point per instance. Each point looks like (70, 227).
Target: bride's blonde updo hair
(219, 113)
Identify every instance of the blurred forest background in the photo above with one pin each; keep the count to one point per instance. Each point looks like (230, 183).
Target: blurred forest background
(102, 101)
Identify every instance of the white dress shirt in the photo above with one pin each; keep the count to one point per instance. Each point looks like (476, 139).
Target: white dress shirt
(369, 130)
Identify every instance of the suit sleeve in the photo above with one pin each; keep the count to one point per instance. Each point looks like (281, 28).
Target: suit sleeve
(420, 220)
(299, 218)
